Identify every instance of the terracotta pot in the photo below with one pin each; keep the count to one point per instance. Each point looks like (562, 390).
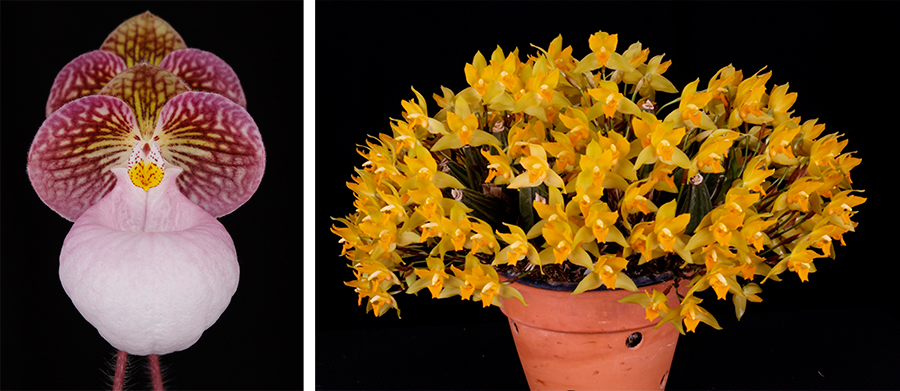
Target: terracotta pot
(589, 341)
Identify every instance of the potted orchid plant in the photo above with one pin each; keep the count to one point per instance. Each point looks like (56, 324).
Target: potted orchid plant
(596, 174)
(146, 143)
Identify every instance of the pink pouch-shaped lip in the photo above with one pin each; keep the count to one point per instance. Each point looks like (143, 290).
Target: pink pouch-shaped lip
(150, 270)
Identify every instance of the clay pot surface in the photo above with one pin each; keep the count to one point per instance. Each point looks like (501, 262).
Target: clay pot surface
(590, 341)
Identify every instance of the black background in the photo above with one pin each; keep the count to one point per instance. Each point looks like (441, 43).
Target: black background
(256, 343)
(837, 331)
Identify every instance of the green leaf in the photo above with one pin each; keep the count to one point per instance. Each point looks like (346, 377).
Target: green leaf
(476, 167)
(460, 173)
(699, 205)
(492, 210)
(527, 214)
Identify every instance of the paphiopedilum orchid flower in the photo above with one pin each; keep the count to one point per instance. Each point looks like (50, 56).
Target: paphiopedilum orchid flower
(148, 39)
(144, 168)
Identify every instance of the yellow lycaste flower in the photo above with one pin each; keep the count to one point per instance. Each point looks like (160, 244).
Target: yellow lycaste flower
(577, 122)
(797, 196)
(518, 248)
(483, 239)
(713, 254)
(404, 135)
(692, 103)
(602, 44)
(658, 303)
(415, 115)
(384, 232)
(537, 171)
(755, 174)
(821, 236)
(499, 168)
(753, 231)
(668, 227)
(634, 201)
(663, 146)
(662, 177)
(543, 86)
(374, 271)
(560, 239)
(554, 209)
(724, 83)
(620, 147)
(380, 162)
(748, 102)
(694, 314)
(595, 164)
(430, 229)
(841, 207)
(563, 151)
(478, 278)
(434, 276)
(712, 153)
(655, 304)
(636, 56)
(611, 100)
(520, 138)
(457, 230)
(780, 102)
(721, 279)
(509, 71)
(428, 197)
(479, 79)
(800, 262)
(561, 58)
(644, 126)
(824, 152)
(779, 149)
(363, 288)
(637, 241)
(462, 127)
(602, 222)
(382, 299)
(608, 267)
(349, 236)
(422, 165)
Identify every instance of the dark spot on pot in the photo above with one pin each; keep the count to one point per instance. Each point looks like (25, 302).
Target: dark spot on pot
(633, 340)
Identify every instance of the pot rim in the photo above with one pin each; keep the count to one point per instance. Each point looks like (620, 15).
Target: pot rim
(639, 281)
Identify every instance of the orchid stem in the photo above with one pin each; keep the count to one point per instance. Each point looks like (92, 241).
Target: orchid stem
(121, 363)
(155, 374)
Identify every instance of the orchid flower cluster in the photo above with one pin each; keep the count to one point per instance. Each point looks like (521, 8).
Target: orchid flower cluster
(556, 160)
(147, 142)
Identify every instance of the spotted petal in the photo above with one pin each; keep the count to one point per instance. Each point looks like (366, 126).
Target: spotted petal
(204, 71)
(74, 149)
(146, 89)
(145, 37)
(217, 144)
(149, 269)
(83, 76)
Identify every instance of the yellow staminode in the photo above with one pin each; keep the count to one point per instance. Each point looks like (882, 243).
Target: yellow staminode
(145, 174)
